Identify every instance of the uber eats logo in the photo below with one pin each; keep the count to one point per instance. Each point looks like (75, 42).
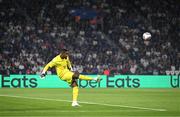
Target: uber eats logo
(16, 82)
(123, 82)
(112, 82)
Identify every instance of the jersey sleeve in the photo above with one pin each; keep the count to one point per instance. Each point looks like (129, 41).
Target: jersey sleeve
(69, 64)
(51, 64)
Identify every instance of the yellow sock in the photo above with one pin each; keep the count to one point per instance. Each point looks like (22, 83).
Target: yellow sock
(75, 93)
(83, 77)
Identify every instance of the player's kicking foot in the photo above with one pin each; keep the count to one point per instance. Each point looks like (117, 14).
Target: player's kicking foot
(98, 78)
(75, 104)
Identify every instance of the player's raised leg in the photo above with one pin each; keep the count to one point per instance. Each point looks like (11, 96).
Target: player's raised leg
(76, 75)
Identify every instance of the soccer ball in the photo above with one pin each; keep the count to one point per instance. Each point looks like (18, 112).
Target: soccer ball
(147, 36)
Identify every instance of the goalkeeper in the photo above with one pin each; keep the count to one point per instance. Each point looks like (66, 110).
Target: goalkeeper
(65, 72)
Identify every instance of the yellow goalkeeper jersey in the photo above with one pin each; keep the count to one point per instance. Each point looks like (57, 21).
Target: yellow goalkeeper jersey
(61, 65)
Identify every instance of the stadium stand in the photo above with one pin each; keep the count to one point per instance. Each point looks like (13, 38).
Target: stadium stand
(100, 34)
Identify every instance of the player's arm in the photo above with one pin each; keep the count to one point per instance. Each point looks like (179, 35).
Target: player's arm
(49, 65)
(69, 65)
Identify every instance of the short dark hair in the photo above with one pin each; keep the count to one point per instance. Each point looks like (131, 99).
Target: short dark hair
(64, 50)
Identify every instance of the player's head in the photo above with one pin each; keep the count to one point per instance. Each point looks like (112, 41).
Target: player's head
(64, 53)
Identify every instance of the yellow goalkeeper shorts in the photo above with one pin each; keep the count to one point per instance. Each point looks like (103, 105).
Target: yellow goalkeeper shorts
(68, 77)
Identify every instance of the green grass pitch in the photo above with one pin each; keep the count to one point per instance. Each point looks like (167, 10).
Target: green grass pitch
(96, 102)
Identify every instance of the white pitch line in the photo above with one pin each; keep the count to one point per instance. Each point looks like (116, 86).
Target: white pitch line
(124, 106)
(92, 103)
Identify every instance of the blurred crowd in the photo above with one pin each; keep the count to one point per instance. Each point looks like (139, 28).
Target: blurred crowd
(34, 31)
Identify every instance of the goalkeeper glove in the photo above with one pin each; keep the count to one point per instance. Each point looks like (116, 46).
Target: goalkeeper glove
(43, 74)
